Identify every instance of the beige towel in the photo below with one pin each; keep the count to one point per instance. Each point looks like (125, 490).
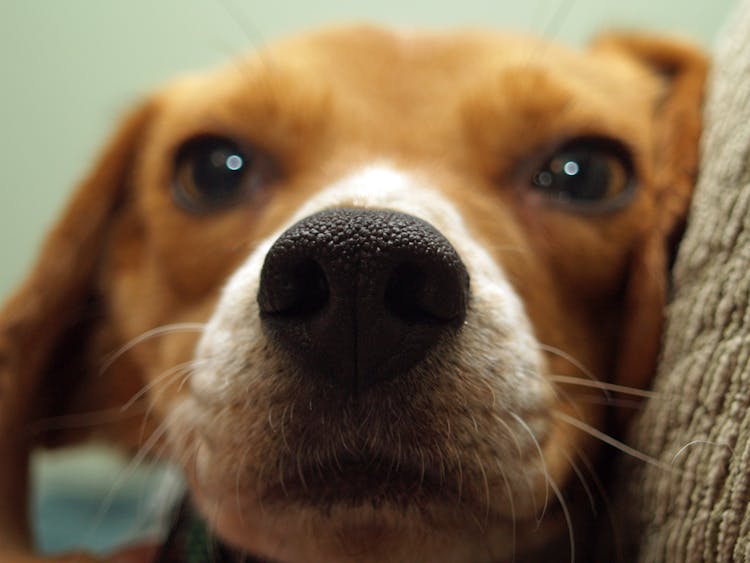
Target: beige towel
(699, 426)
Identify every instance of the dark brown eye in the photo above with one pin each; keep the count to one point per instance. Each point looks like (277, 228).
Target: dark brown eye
(213, 173)
(587, 174)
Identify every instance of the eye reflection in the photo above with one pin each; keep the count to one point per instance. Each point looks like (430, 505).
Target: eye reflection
(234, 162)
(571, 168)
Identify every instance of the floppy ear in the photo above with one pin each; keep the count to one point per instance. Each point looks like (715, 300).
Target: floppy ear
(677, 122)
(37, 322)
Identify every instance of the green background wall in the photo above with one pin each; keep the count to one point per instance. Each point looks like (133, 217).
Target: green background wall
(70, 67)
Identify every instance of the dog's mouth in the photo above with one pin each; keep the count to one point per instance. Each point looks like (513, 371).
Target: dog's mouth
(347, 454)
(373, 480)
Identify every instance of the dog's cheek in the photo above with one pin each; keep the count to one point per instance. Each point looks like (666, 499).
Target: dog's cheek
(225, 407)
(145, 341)
(573, 340)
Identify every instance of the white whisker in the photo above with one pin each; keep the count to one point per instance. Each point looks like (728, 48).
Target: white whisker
(572, 380)
(573, 403)
(154, 332)
(568, 518)
(615, 443)
(81, 420)
(706, 442)
(126, 473)
(486, 484)
(512, 507)
(574, 362)
(184, 375)
(173, 371)
(582, 480)
(237, 484)
(634, 404)
(616, 540)
(514, 436)
(541, 458)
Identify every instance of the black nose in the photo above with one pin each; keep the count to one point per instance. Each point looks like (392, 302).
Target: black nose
(361, 296)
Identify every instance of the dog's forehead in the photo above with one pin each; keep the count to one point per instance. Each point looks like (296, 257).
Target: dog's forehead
(367, 70)
(352, 54)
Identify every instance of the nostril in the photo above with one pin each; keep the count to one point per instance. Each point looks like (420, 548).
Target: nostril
(426, 293)
(299, 289)
(359, 296)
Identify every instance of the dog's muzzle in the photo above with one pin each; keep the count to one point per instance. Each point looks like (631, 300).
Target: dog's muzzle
(358, 296)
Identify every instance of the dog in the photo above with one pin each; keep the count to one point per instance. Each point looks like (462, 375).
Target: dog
(366, 288)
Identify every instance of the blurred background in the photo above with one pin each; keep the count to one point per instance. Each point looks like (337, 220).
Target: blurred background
(69, 69)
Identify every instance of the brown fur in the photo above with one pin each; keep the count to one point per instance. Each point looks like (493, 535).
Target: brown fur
(470, 111)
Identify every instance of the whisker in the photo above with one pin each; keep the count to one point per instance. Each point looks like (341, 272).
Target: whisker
(154, 332)
(617, 444)
(246, 27)
(557, 20)
(125, 474)
(596, 384)
(568, 519)
(512, 507)
(183, 374)
(486, 484)
(574, 362)
(573, 403)
(162, 489)
(82, 420)
(513, 435)
(550, 29)
(173, 371)
(541, 457)
(621, 403)
(282, 481)
(706, 442)
(185, 378)
(211, 519)
(516, 441)
(158, 500)
(616, 540)
(582, 480)
(423, 470)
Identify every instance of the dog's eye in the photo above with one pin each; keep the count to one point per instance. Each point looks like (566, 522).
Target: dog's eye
(587, 174)
(213, 172)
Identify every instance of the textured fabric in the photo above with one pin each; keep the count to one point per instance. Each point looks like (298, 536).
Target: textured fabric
(692, 503)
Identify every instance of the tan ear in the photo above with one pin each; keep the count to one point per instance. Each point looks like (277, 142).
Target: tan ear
(677, 127)
(36, 319)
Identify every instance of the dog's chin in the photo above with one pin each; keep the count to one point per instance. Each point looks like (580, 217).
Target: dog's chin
(373, 517)
(366, 508)
(352, 482)
(399, 521)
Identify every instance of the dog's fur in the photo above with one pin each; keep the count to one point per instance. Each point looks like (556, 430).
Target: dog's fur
(445, 127)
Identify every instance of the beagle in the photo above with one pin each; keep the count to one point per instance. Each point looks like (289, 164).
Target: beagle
(365, 288)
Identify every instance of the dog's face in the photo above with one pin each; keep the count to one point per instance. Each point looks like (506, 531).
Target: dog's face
(407, 251)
